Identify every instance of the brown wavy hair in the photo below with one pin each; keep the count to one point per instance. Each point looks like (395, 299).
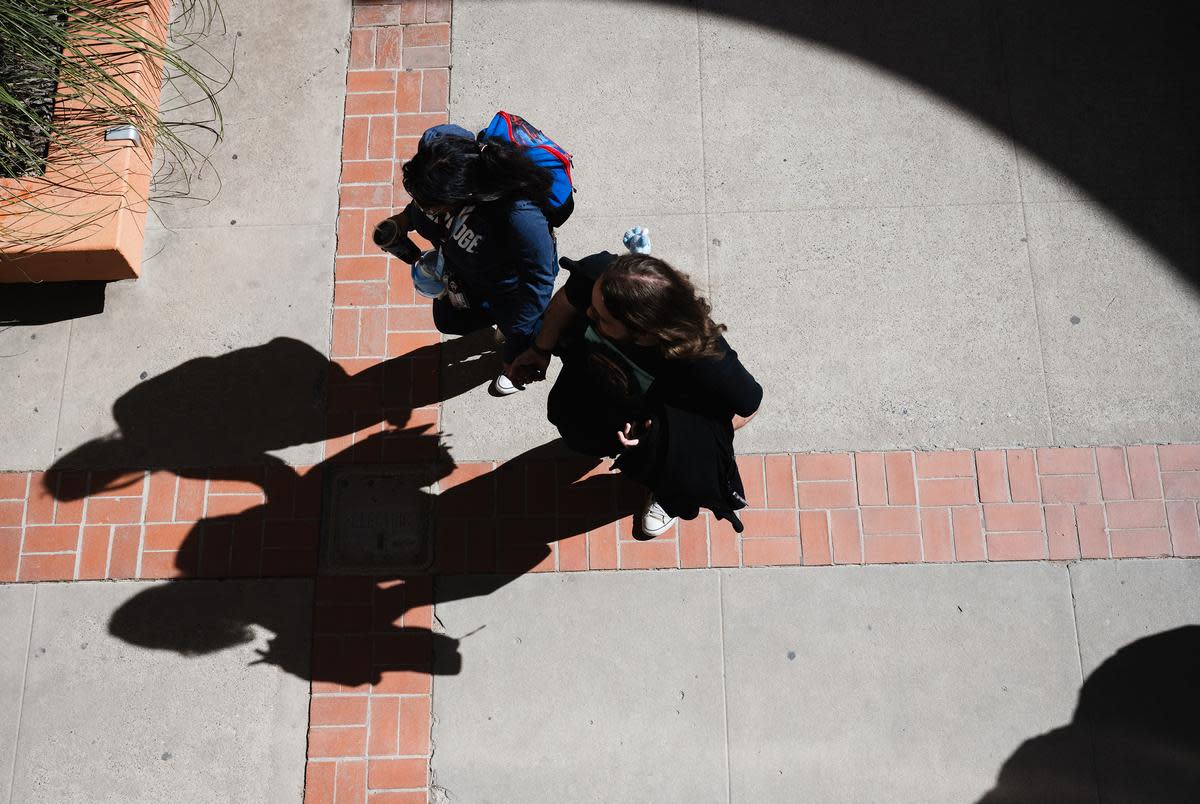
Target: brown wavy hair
(653, 299)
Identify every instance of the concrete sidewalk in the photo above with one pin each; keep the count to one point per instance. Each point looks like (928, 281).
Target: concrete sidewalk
(86, 715)
(911, 238)
(910, 245)
(969, 226)
(244, 259)
(906, 684)
(909, 684)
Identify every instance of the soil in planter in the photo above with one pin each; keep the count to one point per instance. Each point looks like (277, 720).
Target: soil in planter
(23, 141)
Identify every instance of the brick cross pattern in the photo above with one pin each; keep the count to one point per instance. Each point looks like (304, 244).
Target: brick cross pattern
(374, 637)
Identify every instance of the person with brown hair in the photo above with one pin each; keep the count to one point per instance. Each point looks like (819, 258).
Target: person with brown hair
(649, 378)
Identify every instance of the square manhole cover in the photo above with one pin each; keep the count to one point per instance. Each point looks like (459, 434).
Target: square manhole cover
(377, 519)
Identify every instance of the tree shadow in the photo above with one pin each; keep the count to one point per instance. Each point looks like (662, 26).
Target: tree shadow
(230, 411)
(1134, 736)
(1105, 93)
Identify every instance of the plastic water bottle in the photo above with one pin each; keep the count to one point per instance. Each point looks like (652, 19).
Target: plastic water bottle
(637, 240)
(428, 274)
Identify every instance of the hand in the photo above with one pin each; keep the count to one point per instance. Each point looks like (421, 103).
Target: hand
(631, 434)
(528, 367)
(267, 655)
(740, 421)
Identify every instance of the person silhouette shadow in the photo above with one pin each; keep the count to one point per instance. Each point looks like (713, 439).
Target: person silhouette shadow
(221, 417)
(1133, 738)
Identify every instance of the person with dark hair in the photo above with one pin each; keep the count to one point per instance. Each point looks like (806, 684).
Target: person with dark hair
(483, 204)
(648, 377)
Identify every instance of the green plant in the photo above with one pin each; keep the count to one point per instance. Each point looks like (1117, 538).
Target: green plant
(99, 61)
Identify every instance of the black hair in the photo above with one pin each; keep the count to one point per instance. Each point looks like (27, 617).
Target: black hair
(453, 171)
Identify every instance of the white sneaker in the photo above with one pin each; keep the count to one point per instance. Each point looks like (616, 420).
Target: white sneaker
(655, 521)
(503, 386)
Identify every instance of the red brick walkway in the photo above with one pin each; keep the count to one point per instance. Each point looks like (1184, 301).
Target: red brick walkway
(369, 738)
(839, 508)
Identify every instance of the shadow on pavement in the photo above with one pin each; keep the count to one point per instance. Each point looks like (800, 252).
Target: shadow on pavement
(164, 617)
(1134, 737)
(230, 410)
(1106, 92)
(233, 409)
(34, 304)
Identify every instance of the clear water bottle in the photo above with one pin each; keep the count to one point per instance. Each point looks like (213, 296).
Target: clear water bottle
(428, 274)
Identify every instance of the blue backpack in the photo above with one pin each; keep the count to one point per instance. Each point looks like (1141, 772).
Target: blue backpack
(544, 152)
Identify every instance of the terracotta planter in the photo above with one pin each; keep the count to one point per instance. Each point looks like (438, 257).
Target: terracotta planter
(85, 218)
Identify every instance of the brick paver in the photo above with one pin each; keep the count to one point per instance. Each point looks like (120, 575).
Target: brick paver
(81, 518)
(372, 641)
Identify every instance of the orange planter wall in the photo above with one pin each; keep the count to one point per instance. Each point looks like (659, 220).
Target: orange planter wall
(94, 223)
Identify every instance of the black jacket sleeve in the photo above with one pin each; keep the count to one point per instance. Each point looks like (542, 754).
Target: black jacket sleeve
(728, 383)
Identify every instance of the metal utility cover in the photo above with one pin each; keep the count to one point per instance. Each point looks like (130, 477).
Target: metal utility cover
(378, 519)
